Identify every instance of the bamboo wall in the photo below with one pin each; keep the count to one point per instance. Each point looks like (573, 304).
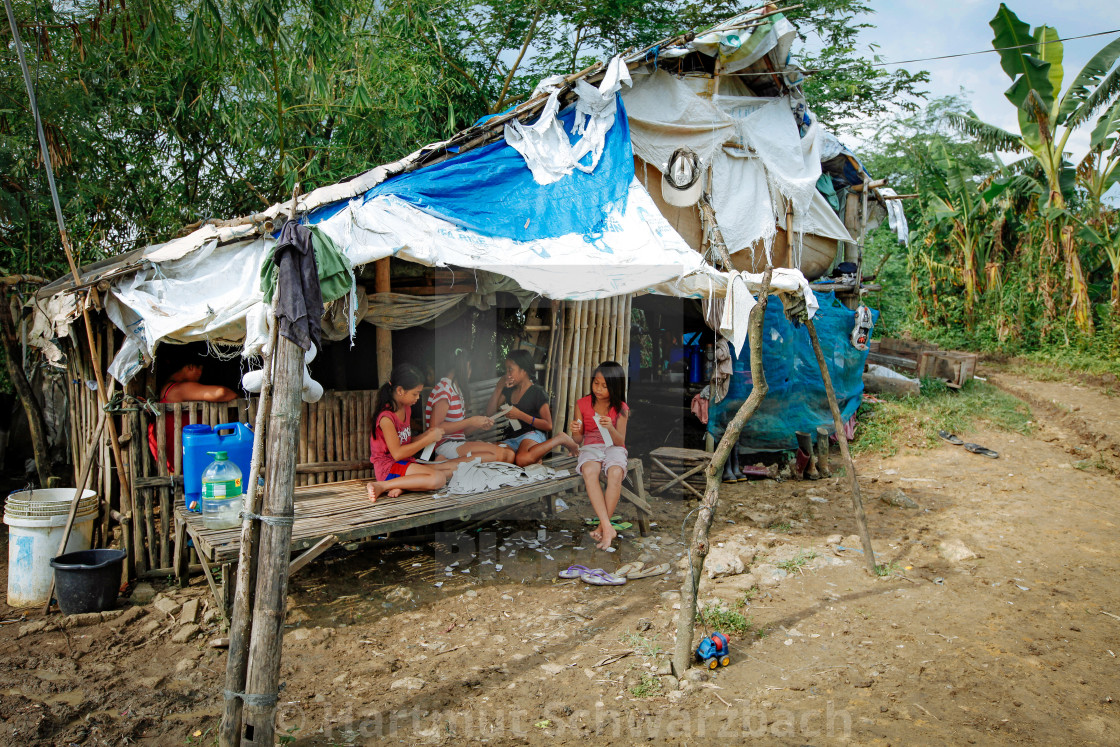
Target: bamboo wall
(589, 333)
(334, 432)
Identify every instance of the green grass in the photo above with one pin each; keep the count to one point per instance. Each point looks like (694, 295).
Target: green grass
(783, 527)
(725, 620)
(647, 647)
(748, 595)
(649, 687)
(887, 569)
(915, 420)
(798, 561)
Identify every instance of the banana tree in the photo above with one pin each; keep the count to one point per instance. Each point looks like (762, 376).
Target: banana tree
(957, 207)
(1047, 118)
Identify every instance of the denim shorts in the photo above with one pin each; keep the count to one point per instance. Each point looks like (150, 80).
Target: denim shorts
(533, 435)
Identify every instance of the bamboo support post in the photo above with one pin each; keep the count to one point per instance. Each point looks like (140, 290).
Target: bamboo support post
(686, 620)
(237, 659)
(841, 437)
(382, 284)
(267, 630)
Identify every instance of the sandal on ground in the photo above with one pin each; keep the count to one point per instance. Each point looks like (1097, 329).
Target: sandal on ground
(950, 438)
(982, 450)
(654, 570)
(574, 571)
(627, 570)
(598, 577)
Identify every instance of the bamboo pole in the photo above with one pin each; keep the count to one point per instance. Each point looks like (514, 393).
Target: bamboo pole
(841, 437)
(383, 284)
(237, 660)
(686, 620)
(83, 480)
(267, 631)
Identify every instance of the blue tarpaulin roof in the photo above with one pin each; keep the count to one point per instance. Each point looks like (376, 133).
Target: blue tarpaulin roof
(490, 191)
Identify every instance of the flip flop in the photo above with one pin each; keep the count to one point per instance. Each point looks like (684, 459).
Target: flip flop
(655, 570)
(598, 577)
(574, 571)
(951, 438)
(982, 450)
(627, 570)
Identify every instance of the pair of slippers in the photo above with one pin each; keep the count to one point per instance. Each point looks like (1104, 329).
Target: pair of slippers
(974, 448)
(618, 525)
(599, 577)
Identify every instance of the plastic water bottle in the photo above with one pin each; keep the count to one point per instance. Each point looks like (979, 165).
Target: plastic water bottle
(221, 493)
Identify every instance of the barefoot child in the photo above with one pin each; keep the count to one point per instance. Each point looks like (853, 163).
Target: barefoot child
(392, 450)
(446, 408)
(529, 407)
(604, 408)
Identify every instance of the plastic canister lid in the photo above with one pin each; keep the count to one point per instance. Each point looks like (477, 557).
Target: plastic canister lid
(219, 456)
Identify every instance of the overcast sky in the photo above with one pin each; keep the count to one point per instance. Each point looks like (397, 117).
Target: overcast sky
(908, 29)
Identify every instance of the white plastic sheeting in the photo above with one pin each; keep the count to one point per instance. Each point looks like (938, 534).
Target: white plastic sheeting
(753, 146)
(213, 293)
(637, 248)
(545, 146)
(896, 216)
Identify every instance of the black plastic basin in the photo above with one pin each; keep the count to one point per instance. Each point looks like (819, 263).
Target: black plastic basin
(87, 581)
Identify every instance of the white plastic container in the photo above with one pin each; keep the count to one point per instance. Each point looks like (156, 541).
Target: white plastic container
(36, 519)
(221, 493)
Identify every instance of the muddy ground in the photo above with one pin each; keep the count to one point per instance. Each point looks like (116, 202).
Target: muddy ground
(400, 643)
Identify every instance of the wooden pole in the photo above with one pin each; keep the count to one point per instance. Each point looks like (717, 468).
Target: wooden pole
(383, 284)
(83, 480)
(857, 501)
(267, 631)
(238, 658)
(65, 236)
(686, 620)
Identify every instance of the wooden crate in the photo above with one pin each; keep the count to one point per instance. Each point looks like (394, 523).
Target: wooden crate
(954, 367)
(899, 354)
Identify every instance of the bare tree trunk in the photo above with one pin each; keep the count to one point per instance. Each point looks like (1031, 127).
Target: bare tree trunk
(842, 439)
(686, 620)
(35, 420)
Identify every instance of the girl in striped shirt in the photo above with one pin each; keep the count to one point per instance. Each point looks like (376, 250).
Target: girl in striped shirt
(446, 409)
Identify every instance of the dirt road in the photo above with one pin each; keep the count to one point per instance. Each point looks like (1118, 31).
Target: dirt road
(431, 644)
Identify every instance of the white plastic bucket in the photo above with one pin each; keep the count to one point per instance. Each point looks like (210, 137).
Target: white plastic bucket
(36, 519)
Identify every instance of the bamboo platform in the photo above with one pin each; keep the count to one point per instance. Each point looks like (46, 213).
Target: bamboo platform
(342, 510)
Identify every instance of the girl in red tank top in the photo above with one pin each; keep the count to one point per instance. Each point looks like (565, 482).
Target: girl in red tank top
(599, 426)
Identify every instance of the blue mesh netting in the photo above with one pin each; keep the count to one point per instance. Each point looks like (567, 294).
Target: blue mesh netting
(796, 399)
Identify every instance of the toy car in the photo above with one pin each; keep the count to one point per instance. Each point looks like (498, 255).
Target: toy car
(714, 651)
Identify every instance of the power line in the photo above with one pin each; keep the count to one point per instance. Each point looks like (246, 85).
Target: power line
(995, 49)
(947, 56)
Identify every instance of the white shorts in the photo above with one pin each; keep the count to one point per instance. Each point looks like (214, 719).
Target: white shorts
(608, 456)
(449, 448)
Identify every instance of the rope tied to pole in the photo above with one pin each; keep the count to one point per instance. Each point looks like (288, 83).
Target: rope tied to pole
(254, 700)
(272, 521)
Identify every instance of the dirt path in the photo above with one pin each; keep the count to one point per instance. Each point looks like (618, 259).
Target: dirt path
(1010, 646)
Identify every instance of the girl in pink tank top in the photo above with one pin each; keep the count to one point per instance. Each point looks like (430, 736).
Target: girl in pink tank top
(599, 426)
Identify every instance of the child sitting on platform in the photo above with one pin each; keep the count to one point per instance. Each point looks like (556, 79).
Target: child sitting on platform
(392, 450)
(599, 425)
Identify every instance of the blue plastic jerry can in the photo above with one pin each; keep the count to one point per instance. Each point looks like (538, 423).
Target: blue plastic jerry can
(236, 439)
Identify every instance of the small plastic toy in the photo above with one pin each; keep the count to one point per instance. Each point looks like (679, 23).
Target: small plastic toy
(861, 332)
(714, 651)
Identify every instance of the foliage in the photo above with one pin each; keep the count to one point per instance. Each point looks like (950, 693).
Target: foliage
(915, 421)
(1014, 257)
(724, 620)
(649, 687)
(845, 85)
(798, 561)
